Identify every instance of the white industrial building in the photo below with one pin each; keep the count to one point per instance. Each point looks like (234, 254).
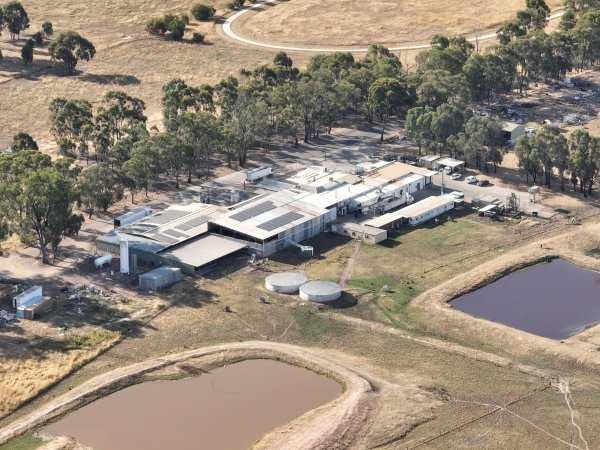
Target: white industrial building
(177, 236)
(415, 214)
(194, 236)
(274, 222)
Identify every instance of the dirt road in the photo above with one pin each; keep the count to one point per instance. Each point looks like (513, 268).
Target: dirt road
(227, 29)
(334, 425)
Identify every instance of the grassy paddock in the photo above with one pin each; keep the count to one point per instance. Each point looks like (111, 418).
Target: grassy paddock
(335, 22)
(24, 442)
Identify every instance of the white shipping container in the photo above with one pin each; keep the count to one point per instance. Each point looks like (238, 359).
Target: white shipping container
(258, 173)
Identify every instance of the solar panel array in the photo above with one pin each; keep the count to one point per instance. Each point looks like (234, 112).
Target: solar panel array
(166, 217)
(193, 223)
(175, 234)
(254, 211)
(280, 221)
(164, 238)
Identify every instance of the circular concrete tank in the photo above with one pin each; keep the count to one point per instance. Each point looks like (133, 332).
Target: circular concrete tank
(320, 291)
(285, 282)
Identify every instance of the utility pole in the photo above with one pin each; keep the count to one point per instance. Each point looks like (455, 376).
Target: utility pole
(442, 172)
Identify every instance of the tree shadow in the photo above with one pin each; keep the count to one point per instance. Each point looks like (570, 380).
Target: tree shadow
(118, 79)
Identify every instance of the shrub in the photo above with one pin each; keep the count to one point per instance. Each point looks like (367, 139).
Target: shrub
(198, 38)
(156, 26)
(177, 28)
(202, 12)
(47, 29)
(38, 37)
(236, 4)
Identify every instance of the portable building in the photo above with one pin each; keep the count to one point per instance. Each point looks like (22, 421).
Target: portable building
(415, 214)
(27, 297)
(360, 232)
(33, 310)
(428, 161)
(160, 278)
(512, 131)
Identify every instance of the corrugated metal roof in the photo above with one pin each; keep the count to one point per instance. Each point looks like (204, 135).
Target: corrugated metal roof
(414, 210)
(511, 126)
(175, 224)
(203, 251)
(284, 202)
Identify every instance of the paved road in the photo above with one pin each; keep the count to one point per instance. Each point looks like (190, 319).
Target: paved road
(228, 31)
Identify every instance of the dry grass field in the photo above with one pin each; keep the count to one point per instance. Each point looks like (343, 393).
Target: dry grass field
(354, 22)
(485, 404)
(127, 58)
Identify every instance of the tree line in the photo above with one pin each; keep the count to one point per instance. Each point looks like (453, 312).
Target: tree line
(230, 117)
(548, 152)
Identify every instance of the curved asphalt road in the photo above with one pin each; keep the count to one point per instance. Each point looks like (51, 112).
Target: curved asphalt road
(228, 30)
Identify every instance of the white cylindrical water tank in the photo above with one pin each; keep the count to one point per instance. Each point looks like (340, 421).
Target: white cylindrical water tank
(124, 246)
(285, 282)
(320, 291)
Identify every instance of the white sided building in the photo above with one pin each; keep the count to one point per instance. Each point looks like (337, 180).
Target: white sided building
(415, 214)
(274, 222)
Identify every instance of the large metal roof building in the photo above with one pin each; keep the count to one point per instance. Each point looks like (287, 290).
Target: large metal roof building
(177, 236)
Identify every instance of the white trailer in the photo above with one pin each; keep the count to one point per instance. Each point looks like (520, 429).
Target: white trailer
(131, 216)
(259, 173)
(31, 295)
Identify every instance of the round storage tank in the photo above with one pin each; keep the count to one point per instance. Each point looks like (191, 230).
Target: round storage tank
(285, 282)
(320, 291)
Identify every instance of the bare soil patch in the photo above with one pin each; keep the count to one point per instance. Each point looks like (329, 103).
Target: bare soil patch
(337, 22)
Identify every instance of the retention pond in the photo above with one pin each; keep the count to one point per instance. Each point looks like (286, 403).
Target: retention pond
(228, 408)
(554, 300)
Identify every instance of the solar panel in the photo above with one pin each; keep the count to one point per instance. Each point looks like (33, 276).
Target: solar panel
(280, 221)
(164, 238)
(175, 234)
(166, 217)
(193, 223)
(253, 211)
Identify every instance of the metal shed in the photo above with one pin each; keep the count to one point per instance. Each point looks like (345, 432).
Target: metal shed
(160, 278)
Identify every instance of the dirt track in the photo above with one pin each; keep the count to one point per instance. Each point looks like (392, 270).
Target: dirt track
(227, 30)
(337, 424)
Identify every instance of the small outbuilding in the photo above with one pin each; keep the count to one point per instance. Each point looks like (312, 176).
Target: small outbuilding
(512, 131)
(160, 278)
(451, 165)
(360, 232)
(428, 161)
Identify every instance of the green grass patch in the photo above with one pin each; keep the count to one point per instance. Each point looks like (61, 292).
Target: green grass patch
(23, 442)
(90, 339)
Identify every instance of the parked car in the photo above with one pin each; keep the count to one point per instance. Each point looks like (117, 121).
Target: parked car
(456, 176)
(471, 180)
(483, 183)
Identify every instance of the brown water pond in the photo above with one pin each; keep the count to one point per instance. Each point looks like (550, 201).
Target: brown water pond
(229, 408)
(554, 300)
